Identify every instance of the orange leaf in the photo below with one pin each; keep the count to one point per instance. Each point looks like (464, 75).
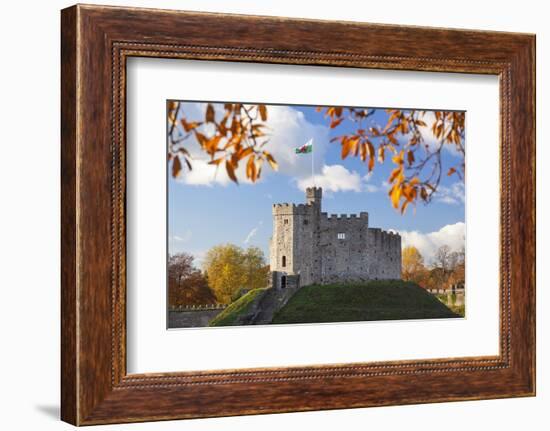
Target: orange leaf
(176, 167)
(212, 144)
(350, 146)
(230, 171)
(393, 116)
(381, 154)
(189, 126)
(370, 148)
(271, 161)
(423, 194)
(451, 171)
(216, 161)
(398, 160)
(263, 112)
(394, 174)
(363, 148)
(410, 157)
(209, 117)
(245, 152)
(201, 138)
(346, 146)
(256, 130)
(336, 122)
(395, 196)
(251, 168)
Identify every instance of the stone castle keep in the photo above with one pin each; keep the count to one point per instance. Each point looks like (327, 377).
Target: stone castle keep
(310, 247)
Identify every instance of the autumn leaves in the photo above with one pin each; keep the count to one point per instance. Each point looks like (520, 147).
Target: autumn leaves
(239, 136)
(418, 162)
(412, 140)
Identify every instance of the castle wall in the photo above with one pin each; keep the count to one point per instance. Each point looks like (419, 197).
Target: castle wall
(281, 245)
(343, 257)
(323, 249)
(383, 254)
(296, 237)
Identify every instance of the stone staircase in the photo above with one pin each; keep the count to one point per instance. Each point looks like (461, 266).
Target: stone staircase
(271, 302)
(265, 306)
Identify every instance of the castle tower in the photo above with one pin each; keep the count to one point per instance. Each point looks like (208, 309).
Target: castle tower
(311, 268)
(309, 247)
(294, 250)
(314, 195)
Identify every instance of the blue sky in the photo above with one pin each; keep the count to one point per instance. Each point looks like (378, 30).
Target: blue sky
(205, 208)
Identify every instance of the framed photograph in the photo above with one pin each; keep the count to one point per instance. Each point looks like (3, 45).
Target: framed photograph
(322, 267)
(292, 209)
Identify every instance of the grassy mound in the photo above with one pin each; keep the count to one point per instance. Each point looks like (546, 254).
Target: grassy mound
(240, 307)
(375, 300)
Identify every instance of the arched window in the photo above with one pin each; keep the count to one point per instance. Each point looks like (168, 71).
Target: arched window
(284, 262)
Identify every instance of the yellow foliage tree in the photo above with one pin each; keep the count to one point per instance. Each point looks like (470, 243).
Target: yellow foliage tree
(412, 264)
(230, 268)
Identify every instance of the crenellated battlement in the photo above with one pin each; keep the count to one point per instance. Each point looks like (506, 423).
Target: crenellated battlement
(361, 216)
(384, 239)
(288, 209)
(334, 220)
(322, 248)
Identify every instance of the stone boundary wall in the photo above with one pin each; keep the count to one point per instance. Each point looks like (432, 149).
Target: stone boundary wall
(197, 307)
(192, 318)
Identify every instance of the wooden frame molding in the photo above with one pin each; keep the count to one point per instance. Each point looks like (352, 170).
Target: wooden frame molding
(96, 42)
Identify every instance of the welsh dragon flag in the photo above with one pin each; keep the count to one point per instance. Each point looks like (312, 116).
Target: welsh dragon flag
(306, 148)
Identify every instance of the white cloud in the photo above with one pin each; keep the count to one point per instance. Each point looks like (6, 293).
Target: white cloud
(186, 236)
(367, 187)
(287, 129)
(199, 258)
(333, 178)
(427, 244)
(251, 235)
(204, 174)
(452, 195)
(253, 232)
(429, 137)
(337, 178)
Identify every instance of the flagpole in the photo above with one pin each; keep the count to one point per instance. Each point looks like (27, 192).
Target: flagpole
(312, 171)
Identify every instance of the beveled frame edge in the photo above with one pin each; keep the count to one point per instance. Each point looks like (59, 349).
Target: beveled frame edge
(96, 41)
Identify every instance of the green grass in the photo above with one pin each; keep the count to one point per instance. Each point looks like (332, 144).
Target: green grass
(241, 306)
(375, 300)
